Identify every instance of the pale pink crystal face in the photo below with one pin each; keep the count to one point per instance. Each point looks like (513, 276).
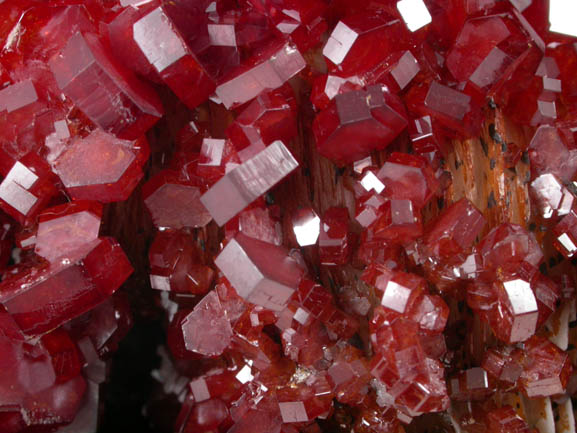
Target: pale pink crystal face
(174, 205)
(65, 228)
(206, 329)
(553, 200)
(240, 187)
(99, 167)
(276, 69)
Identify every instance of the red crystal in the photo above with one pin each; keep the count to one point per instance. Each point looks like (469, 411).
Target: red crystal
(100, 167)
(269, 117)
(166, 51)
(65, 228)
(262, 273)
(103, 89)
(268, 70)
(164, 195)
(348, 46)
(455, 230)
(41, 382)
(371, 117)
(547, 369)
(49, 295)
(243, 185)
(334, 242)
(505, 420)
(27, 186)
(408, 177)
(208, 314)
(175, 264)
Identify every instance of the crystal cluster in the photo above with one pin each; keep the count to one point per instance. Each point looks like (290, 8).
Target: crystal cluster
(321, 257)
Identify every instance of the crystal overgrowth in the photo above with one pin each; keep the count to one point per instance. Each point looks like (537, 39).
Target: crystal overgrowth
(358, 214)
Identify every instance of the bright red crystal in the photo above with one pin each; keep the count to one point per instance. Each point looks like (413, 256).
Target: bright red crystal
(551, 152)
(565, 234)
(486, 49)
(269, 117)
(262, 273)
(48, 295)
(175, 264)
(408, 177)
(334, 238)
(399, 221)
(103, 89)
(41, 382)
(217, 157)
(550, 196)
(372, 118)
(164, 48)
(547, 369)
(508, 246)
(457, 111)
(347, 48)
(455, 230)
(400, 298)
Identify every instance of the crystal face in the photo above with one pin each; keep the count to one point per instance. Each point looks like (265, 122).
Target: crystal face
(48, 296)
(100, 167)
(414, 13)
(277, 66)
(237, 189)
(262, 273)
(106, 92)
(373, 117)
(164, 48)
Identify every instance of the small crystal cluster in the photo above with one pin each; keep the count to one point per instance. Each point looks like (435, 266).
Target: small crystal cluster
(293, 305)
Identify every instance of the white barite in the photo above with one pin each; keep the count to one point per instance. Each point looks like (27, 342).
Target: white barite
(562, 16)
(240, 187)
(414, 13)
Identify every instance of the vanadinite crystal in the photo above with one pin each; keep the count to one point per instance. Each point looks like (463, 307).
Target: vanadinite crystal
(288, 216)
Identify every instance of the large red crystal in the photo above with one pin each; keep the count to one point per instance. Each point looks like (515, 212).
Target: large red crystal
(372, 118)
(103, 89)
(46, 296)
(100, 167)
